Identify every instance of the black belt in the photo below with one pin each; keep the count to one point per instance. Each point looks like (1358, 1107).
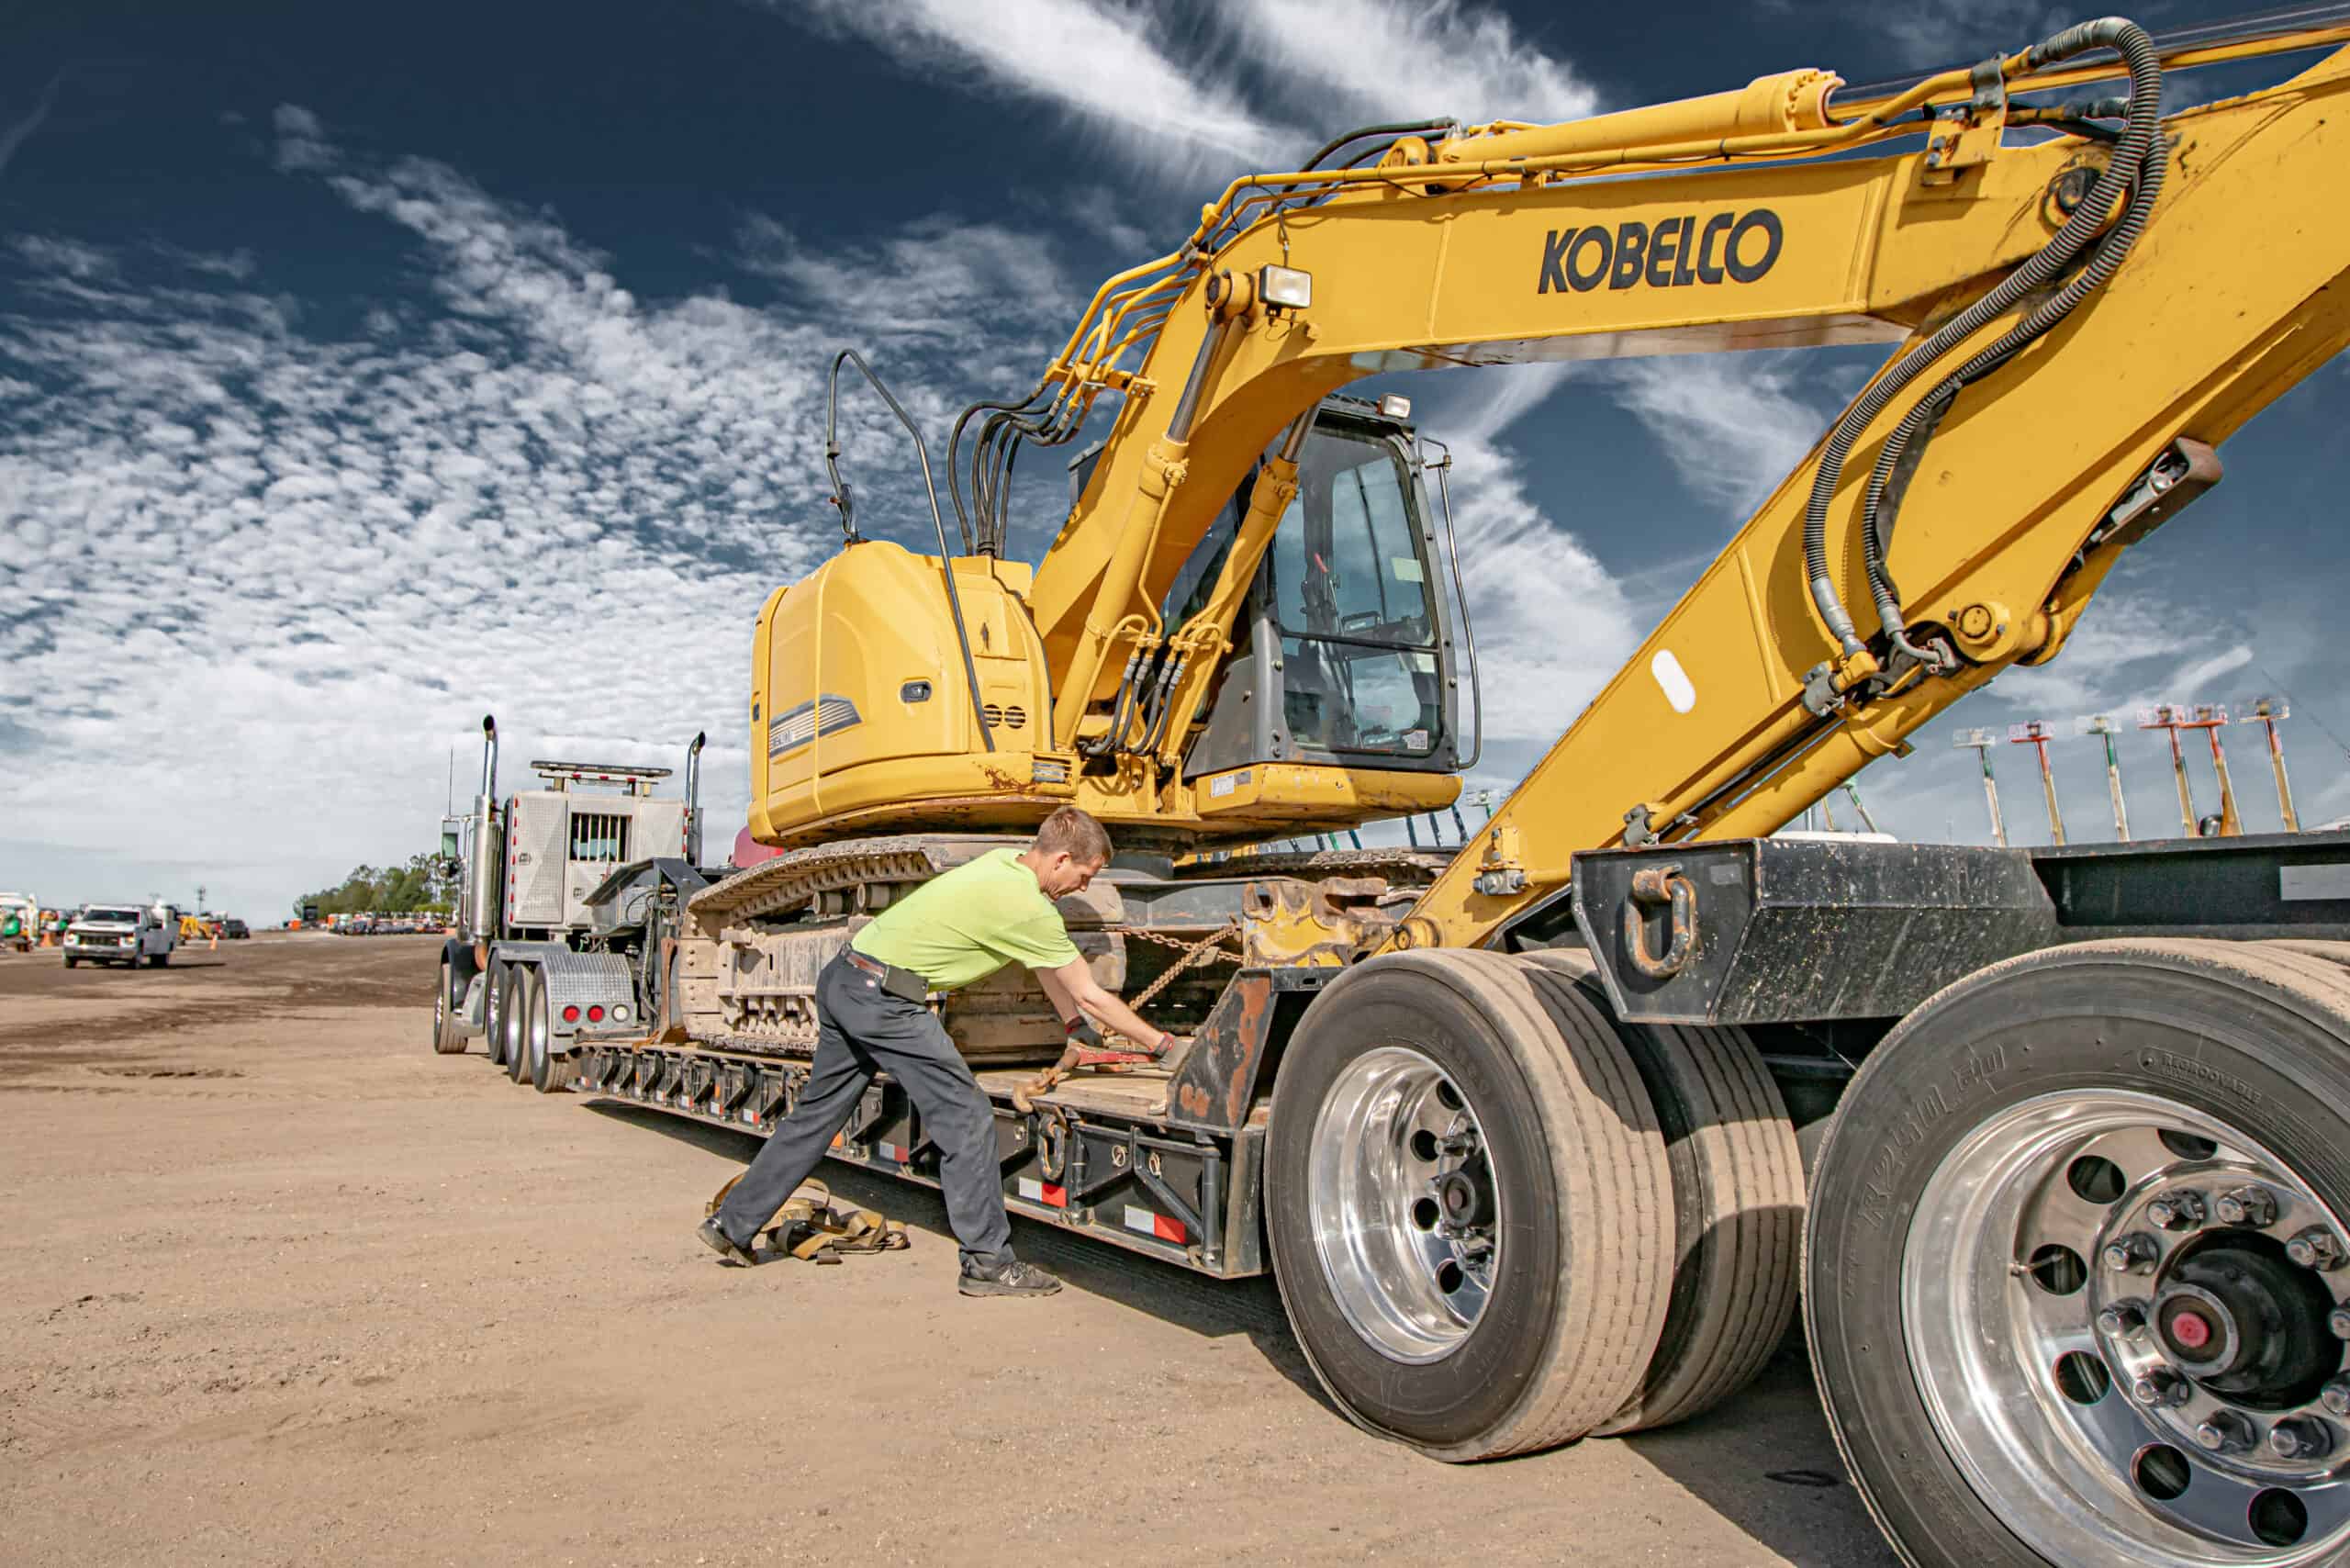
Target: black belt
(903, 984)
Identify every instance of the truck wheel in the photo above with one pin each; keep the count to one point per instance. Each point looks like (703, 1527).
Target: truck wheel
(1468, 1204)
(70, 961)
(159, 959)
(1736, 1207)
(2074, 1288)
(493, 1014)
(448, 1034)
(516, 1019)
(549, 1072)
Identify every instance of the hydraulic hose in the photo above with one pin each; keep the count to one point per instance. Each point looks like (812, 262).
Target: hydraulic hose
(2041, 269)
(2138, 160)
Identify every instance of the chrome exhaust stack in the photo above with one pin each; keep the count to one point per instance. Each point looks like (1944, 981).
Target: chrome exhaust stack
(693, 799)
(479, 916)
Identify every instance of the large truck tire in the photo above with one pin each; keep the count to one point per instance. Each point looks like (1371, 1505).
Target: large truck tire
(448, 1030)
(549, 1072)
(2074, 1270)
(72, 962)
(1737, 1208)
(1468, 1204)
(521, 981)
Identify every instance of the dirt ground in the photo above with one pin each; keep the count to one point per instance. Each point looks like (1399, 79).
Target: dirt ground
(279, 1285)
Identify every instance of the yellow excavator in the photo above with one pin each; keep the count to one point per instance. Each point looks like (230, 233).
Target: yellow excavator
(1528, 1133)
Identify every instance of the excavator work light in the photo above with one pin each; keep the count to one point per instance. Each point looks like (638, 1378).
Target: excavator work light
(1285, 287)
(1394, 408)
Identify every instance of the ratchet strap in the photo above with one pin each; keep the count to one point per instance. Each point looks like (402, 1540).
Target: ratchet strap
(815, 1229)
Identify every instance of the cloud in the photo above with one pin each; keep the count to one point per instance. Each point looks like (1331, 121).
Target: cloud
(1379, 60)
(1733, 425)
(273, 576)
(1230, 86)
(1112, 66)
(938, 285)
(48, 255)
(17, 132)
(1931, 37)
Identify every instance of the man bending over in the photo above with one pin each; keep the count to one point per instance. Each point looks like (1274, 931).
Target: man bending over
(872, 1016)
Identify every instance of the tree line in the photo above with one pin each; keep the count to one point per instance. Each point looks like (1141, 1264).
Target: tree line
(416, 888)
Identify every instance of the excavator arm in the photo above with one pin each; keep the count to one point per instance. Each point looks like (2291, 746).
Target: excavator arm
(2081, 321)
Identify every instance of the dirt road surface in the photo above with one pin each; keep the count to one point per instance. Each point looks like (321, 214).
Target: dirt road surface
(279, 1286)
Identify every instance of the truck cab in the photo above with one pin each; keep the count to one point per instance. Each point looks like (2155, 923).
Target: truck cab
(121, 934)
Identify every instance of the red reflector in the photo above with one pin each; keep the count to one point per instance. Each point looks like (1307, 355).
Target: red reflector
(595, 1015)
(571, 1014)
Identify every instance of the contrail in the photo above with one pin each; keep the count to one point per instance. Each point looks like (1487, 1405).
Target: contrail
(14, 136)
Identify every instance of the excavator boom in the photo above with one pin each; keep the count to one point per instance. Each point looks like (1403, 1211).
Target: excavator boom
(2081, 321)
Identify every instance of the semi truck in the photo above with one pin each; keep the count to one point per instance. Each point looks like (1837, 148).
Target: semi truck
(1544, 1139)
(533, 971)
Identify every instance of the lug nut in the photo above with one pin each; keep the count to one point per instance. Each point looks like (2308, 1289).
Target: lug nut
(2160, 1388)
(2227, 1432)
(2316, 1248)
(2254, 1206)
(2339, 1321)
(2301, 1436)
(2117, 1321)
(2131, 1252)
(2177, 1210)
(2336, 1395)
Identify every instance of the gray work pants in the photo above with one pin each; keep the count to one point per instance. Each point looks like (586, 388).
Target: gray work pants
(861, 1030)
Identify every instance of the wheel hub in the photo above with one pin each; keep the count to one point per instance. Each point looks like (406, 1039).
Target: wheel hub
(2238, 1317)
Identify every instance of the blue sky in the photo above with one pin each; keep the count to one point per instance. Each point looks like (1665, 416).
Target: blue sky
(361, 374)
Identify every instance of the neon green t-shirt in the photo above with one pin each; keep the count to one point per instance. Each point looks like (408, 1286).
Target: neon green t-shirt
(969, 923)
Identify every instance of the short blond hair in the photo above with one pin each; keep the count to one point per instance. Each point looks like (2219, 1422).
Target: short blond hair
(1074, 834)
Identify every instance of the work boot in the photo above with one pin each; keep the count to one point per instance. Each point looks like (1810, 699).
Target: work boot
(1011, 1277)
(713, 1236)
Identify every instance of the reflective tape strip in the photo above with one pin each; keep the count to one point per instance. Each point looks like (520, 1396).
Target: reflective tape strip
(1156, 1225)
(1044, 1193)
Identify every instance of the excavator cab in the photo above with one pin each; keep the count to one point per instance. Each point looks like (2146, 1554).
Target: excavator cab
(1345, 653)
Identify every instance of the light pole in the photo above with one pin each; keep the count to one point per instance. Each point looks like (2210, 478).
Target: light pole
(2169, 717)
(2102, 726)
(1852, 791)
(2265, 712)
(2207, 717)
(2035, 733)
(1983, 741)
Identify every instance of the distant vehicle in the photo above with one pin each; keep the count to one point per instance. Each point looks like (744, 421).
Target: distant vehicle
(19, 921)
(233, 928)
(121, 934)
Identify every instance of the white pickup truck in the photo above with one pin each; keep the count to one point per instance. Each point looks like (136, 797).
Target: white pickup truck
(121, 934)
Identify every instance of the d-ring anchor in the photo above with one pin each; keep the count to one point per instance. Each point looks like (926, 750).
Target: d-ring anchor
(1653, 886)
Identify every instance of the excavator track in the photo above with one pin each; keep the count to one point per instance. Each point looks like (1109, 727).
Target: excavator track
(791, 879)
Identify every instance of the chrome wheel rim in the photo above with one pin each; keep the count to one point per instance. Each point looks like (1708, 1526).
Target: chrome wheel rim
(493, 1016)
(540, 1027)
(441, 1006)
(514, 1021)
(1407, 1213)
(2108, 1359)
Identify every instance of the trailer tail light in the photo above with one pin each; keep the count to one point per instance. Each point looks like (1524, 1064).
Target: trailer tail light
(595, 1015)
(571, 1014)
(620, 1014)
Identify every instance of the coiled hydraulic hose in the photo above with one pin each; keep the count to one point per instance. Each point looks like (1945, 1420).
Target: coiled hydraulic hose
(2145, 175)
(2132, 167)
